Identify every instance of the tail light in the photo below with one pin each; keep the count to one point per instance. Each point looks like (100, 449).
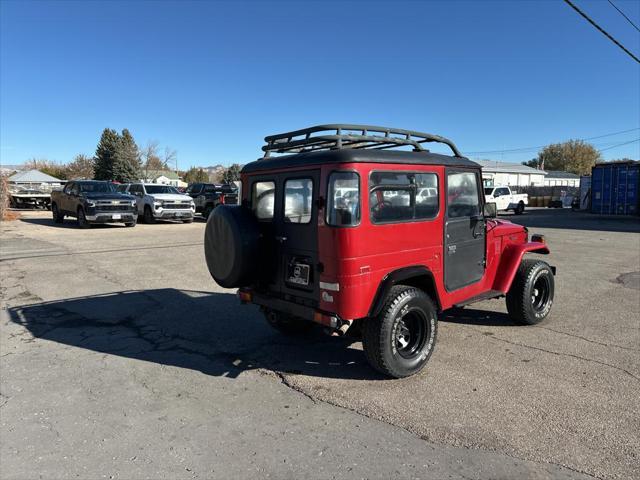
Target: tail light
(222, 198)
(536, 237)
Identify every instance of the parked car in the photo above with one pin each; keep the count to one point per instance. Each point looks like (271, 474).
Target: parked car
(208, 196)
(160, 202)
(505, 199)
(295, 248)
(93, 201)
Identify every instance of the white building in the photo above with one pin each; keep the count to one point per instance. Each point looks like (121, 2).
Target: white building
(511, 174)
(564, 179)
(163, 177)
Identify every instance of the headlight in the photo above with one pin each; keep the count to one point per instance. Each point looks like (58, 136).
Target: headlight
(157, 202)
(133, 203)
(193, 205)
(90, 203)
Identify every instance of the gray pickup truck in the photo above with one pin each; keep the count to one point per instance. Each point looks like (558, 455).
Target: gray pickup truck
(92, 201)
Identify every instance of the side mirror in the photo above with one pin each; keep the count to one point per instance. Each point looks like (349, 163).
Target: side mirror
(490, 210)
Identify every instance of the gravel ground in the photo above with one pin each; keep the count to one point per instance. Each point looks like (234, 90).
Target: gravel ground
(121, 358)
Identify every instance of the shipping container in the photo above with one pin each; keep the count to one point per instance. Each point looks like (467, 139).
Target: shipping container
(615, 188)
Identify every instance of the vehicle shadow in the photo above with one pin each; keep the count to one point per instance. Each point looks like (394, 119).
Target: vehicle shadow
(204, 331)
(68, 223)
(565, 218)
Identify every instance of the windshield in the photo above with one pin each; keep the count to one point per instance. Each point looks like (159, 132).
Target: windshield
(102, 187)
(488, 191)
(151, 189)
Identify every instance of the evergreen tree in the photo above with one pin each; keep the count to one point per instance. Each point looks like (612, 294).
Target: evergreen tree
(195, 175)
(105, 153)
(232, 173)
(126, 160)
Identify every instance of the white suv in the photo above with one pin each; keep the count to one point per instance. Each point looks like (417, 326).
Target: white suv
(160, 202)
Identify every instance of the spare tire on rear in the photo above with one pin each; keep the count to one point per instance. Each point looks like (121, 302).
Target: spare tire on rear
(231, 245)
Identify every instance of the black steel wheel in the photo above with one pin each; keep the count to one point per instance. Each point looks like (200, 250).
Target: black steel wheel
(82, 219)
(57, 216)
(400, 340)
(530, 297)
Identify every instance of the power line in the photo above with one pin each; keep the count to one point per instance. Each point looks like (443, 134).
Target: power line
(620, 144)
(622, 13)
(525, 149)
(570, 3)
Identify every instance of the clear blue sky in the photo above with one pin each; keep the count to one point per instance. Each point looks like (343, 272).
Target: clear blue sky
(211, 79)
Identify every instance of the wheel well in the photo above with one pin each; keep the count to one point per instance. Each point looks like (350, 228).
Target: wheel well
(418, 276)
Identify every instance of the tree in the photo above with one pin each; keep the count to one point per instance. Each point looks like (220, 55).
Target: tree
(150, 158)
(82, 167)
(105, 153)
(126, 159)
(533, 163)
(575, 156)
(195, 175)
(170, 157)
(46, 166)
(231, 174)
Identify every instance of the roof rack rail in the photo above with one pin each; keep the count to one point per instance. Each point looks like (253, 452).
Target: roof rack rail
(343, 136)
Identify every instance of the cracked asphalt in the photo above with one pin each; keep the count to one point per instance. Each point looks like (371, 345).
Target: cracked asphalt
(120, 358)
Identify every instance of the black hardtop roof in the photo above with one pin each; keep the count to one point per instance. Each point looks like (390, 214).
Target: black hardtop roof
(357, 156)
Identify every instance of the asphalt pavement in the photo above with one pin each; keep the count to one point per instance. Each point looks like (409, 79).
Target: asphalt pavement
(121, 358)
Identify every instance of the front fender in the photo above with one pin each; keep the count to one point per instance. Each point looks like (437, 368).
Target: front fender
(510, 261)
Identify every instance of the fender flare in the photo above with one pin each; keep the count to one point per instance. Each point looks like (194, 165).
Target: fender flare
(418, 275)
(510, 261)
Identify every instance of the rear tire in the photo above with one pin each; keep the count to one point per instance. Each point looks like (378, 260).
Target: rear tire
(82, 219)
(399, 341)
(57, 216)
(530, 297)
(519, 210)
(148, 215)
(287, 324)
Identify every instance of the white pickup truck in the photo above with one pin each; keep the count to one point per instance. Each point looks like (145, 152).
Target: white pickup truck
(505, 199)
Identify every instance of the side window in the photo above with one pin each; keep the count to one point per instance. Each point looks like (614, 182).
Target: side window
(298, 200)
(75, 190)
(68, 187)
(397, 197)
(343, 204)
(462, 195)
(503, 191)
(263, 200)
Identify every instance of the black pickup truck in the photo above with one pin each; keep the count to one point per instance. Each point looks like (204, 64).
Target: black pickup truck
(208, 196)
(92, 201)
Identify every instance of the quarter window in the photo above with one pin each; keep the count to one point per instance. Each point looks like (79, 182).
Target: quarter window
(298, 199)
(263, 200)
(398, 197)
(462, 195)
(343, 206)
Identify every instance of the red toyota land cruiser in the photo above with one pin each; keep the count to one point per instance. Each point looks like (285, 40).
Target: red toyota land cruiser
(361, 225)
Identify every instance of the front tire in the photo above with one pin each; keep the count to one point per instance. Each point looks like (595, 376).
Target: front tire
(82, 219)
(530, 297)
(57, 216)
(399, 341)
(148, 215)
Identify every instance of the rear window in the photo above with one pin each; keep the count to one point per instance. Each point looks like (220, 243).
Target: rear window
(263, 200)
(343, 204)
(298, 199)
(399, 197)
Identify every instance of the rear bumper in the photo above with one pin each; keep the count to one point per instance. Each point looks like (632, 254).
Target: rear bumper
(311, 314)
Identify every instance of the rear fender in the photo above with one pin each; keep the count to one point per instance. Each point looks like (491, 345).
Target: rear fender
(417, 276)
(510, 261)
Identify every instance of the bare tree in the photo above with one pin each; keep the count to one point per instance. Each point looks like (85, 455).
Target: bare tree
(170, 157)
(151, 159)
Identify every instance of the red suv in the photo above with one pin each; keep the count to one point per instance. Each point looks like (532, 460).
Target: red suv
(354, 225)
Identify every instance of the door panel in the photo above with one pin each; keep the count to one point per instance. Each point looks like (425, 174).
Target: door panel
(465, 231)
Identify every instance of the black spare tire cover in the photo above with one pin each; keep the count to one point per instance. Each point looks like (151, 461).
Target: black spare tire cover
(231, 245)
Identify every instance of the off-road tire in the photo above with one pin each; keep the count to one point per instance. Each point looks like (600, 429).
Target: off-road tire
(82, 219)
(287, 324)
(530, 297)
(57, 216)
(519, 210)
(148, 215)
(380, 333)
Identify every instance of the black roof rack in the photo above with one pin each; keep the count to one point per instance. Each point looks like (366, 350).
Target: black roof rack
(346, 136)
